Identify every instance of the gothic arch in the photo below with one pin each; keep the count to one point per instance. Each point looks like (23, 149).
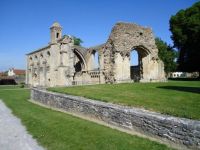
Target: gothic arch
(81, 62)
(123, 39)
(90, 57)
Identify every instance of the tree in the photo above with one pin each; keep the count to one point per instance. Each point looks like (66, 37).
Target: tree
(77, 41)
(185, 28)
(167, 54)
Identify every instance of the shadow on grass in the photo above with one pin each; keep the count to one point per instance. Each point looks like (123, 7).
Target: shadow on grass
(182, 88)
(184, 79)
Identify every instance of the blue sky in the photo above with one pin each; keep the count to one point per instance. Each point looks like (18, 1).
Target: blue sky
(24, 24)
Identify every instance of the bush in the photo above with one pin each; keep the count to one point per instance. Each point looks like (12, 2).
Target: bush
(22, 85)
(7, 82)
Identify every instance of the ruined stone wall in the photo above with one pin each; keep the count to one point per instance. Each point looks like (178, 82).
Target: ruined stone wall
(53, 65)
(184, 132)
(123, 39)
(59, 62)
(38, 67)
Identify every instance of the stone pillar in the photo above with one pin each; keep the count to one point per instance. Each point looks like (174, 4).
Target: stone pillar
(63, 58)
(101, 67)
(38, 73)
(31, 75)
(44, 74)
(140, 66)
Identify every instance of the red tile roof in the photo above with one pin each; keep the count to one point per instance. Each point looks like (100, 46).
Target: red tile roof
(19, 72)
(2, 74)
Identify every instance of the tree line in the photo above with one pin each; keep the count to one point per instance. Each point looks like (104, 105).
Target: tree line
(185, 29)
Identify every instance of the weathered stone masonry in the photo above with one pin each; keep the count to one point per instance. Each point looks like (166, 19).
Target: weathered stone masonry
(61, 63)
(181, 131)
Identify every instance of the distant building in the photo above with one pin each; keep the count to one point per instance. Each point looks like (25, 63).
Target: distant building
(3, 74)
(16, 72)
(177, 74)
(184, 75)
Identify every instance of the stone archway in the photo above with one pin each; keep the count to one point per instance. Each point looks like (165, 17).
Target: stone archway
(79, 61)
(79, 67)
(124, 38)
(93, 59)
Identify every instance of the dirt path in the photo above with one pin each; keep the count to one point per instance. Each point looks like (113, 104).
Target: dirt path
(13, 135)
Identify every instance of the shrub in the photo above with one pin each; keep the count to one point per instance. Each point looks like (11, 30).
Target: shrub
(22, 85)
(7, 82)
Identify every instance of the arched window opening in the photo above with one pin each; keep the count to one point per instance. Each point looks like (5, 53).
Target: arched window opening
(95, 60)
(57, 35)
(134, 58)
(35, 76)
(78, 67)
(41, 55)
(48, 53)
(134, 65)
(78, 62)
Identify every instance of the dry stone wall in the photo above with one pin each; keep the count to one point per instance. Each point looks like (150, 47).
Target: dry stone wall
(175, 130)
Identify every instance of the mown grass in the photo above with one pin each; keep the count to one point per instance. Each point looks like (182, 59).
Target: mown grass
(59, 131)
(9, 86)
(177, 98)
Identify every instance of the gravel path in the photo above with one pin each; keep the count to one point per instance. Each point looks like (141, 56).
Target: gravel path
(13, 135)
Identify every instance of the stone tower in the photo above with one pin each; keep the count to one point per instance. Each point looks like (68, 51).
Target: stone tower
(56, 32)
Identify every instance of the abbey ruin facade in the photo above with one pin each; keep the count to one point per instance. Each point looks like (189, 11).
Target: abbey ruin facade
(61, 63)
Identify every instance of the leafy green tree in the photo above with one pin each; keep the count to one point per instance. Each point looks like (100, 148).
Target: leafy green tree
(185, 28)
(167, 54)
(77, 41)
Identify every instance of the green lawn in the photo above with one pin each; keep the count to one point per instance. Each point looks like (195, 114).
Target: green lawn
(9, 86)
(59, 131)
(178, 98)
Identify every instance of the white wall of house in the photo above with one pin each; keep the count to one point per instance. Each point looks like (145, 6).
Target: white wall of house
(176, 74)
(11, 72)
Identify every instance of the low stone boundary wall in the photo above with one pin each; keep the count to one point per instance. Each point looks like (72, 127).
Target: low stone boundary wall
(180, 131)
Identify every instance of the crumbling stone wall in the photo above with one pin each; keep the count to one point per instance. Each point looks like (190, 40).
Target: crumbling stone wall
(61, 63)
(123, 39)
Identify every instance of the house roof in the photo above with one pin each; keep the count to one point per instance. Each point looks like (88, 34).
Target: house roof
(19, 71)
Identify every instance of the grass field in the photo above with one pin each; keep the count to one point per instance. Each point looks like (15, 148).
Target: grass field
(178, 98)
(9, 86)
(59, 131)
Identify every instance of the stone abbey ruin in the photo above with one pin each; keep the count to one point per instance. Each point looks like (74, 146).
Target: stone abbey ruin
(61, 63)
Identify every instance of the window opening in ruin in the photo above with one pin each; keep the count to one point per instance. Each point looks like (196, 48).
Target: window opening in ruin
(48, 53)
(134, 66)
(35, 75)
(57, 35)
(95, 59)
(78, 62)
(41, 55)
